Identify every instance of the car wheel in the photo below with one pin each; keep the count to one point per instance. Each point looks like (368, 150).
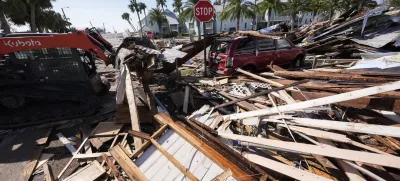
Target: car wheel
(298, 62)
(249, 68)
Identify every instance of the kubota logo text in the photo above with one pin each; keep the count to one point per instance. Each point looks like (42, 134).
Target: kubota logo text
(11, 43)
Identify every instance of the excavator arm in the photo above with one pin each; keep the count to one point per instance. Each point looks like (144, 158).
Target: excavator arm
(79, 39)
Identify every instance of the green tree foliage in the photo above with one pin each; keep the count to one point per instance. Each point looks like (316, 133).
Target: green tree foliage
(53, 21)
(395, 3)
(188, 14)
(135, 7)
(162, 4)
(126, 16)
(158, 17)
(269, 5)
(236, 9)
(178, 5)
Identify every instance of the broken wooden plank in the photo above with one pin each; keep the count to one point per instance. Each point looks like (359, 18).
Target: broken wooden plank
(114, 169)
(199, 144)
(330, 76)
(132, 107)
(139, 134)
(88, 173)
(90, 155)
(105, 131)
(44, 158)
(342, 126)
(223, 176)
(283, 168)
(186, 99)
(174, 161)
(318, 102)
(148, 143)
(66, 143)
(48, 173)
(379, 159)
(133, 172)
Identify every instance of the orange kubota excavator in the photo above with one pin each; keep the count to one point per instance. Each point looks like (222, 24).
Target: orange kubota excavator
(47, 77)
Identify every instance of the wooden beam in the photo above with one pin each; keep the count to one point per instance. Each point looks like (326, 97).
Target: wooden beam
(223, 176)
(242, 104)
(139, 134)
(367, 102)
(379, 159)
(90, 155)
(148, 143)
(133, 172)
(284, 169)
(186, 99)
(48, 173)
(341, 126)
(132, 107)
(207, 150)
(330, 76)
(174, 161)
(113, 169)
(260, 78)
(90, 172)
(318, 102)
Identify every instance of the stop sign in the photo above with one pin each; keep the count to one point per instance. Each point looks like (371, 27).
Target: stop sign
(204, 11)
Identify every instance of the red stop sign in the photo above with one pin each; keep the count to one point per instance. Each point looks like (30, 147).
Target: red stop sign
(204, 11)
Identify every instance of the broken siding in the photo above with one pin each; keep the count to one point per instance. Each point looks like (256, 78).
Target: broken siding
(157, 167)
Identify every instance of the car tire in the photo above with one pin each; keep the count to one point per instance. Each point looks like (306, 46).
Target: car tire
(298, 62)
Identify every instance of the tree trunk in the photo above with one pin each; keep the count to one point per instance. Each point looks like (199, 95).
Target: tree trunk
(3, 22)
(314, 14)
(159, 27)
(238, 22)
(269, 17)
(199, 29)
(293, 19)
(140, 22)
(223, 7)
(133, 27)
(145, 17)
(33, 18)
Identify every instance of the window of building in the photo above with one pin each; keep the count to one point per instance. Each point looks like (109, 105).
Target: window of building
(283, 44)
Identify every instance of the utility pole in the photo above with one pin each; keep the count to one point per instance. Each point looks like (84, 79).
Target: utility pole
(104, 27)
(256, 17)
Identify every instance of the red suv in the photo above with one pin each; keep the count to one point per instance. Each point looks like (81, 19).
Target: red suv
(251, 54)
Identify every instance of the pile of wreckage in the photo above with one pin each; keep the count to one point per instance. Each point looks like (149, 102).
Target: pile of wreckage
(334, 120)
(355, 31)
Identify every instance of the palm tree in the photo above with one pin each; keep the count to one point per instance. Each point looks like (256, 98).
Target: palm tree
(293, 7)
(134, 7)
(36, 6)
(162, 3)
(177, 6)
(125, 16)
(157, 16)
(188, 14)
(142, 7)
(3, 20)
(270, 5)
(236, 9)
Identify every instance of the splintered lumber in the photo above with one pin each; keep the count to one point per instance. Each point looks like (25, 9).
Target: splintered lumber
(113, 168)
(48, 173)
(174, 161)
(342, 126)
(367, 102)
(373, 158)
(259, 94)
(133, 172)
(333, 136)
(66, 142)
(223, 176)
(89, 173)
(273, 83)
(132, 107)
(283, 168)
(336, 88)
(148, 143)
(139, 134)
(203, 147)
(242, 104)
(105, 131)
(317, 102)
(330, 76)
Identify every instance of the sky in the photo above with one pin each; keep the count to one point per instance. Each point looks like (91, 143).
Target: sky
(109, 12)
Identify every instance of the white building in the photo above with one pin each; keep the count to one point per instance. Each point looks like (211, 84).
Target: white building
(172, 24)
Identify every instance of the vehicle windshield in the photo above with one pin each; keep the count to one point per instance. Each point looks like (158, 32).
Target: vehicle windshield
(220, 47)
